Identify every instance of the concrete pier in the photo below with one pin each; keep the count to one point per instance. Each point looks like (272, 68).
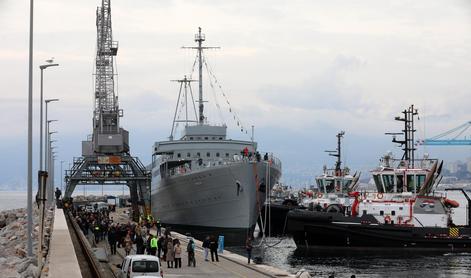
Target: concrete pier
(62, 259)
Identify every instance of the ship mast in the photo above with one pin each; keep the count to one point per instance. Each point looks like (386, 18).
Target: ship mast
(200, 38)
(338, 153)
(409, 130)
(185, 86)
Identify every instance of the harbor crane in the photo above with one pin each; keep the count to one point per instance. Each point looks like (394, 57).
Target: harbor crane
(450, 137)
(106, 158)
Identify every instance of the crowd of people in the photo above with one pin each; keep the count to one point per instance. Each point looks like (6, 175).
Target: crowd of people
(99, 225)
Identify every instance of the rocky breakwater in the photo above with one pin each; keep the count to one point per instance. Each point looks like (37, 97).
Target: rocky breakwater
(14, 261)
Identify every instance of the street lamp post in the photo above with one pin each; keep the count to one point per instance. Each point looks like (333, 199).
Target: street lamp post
(48, 137)
(47, 122)
(50, 170)
(62, 177)
(29, 178)
(44, 190)
(42, 68)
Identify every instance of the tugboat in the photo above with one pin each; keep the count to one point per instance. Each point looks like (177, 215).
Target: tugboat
(333, 185)
(404, 213)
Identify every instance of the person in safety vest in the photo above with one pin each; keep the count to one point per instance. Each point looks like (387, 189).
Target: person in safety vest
(153, 245)
(96, 232)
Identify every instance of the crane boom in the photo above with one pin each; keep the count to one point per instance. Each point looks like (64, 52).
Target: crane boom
(454, 135)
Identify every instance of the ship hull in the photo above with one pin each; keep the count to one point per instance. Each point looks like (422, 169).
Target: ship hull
(223, 200)
(276, 219)
(323, 230)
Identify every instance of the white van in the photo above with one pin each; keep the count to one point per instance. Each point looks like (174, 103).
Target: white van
(141, 265)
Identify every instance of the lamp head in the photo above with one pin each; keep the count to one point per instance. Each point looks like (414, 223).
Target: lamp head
(50, 100)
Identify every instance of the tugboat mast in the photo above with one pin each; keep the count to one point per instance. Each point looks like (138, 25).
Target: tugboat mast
(408, 132)
(200, 38)
(337, 153)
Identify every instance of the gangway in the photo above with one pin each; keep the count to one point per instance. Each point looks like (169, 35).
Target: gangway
(106, 158)
(450, 137)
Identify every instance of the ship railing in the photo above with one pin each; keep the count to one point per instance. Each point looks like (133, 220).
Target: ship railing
(221, 162)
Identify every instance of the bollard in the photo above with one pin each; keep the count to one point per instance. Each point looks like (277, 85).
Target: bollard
(221, 244)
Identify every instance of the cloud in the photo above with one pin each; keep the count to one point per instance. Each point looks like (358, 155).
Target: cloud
(303, 69)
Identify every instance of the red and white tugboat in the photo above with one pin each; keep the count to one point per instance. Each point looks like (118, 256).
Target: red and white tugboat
(403, 213)
(334, 186)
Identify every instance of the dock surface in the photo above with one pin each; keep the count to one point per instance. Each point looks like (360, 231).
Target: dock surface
(62, 259)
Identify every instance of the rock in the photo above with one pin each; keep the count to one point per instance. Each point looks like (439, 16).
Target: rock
(12, 261)
(31, 272)
(21, 252)
(3, 221)
(302, 273)
(11, 217)
(21, 267)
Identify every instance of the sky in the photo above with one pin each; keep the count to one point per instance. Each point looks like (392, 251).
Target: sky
(299, 71)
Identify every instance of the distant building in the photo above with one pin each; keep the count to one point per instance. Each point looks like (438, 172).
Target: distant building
(452, 167)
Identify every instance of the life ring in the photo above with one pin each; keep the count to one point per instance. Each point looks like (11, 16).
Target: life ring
(319, 195)
(387, 219)
(380, 195)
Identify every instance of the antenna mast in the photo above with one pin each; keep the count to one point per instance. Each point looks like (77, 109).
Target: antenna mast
(200, 38)
(409, 130)
(338, 153)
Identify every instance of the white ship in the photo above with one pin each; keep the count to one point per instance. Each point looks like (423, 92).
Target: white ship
(205, 183)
